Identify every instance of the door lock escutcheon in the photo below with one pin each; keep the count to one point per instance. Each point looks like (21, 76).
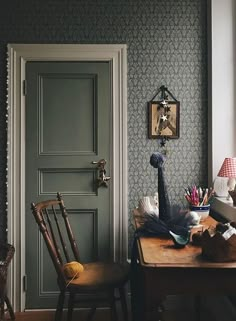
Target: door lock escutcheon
(102, 179)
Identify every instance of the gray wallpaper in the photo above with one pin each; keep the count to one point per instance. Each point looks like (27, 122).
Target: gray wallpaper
(167, 44)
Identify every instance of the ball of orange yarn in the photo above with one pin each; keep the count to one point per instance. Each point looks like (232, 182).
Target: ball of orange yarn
(73, 269)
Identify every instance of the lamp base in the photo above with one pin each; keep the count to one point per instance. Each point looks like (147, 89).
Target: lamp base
(221, 186)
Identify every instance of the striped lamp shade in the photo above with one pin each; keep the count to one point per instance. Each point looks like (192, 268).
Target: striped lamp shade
(228, 168)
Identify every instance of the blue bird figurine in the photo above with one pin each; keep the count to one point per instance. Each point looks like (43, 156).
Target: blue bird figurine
(180, 240)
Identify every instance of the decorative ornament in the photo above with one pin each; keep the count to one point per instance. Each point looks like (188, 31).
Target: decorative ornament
(174, 223)
(145, 205)
(163, 116)
(164, 139)
(157, 161)
(179, 240)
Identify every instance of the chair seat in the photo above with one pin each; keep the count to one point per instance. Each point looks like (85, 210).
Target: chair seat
(101, 276)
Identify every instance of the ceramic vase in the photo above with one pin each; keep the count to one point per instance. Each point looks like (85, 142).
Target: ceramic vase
(145, 206)
(203, 211)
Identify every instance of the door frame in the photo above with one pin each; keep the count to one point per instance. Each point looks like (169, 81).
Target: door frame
(18, 55)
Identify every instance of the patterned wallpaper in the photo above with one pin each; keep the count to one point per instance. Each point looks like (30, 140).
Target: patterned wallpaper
(167, 44)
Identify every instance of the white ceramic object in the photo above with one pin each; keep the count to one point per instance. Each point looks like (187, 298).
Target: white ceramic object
(203, 211)
(221, 186)
(154, 200)
(195, 218)
(145, 206)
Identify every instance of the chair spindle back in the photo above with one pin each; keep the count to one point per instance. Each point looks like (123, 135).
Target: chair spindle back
(56, 236)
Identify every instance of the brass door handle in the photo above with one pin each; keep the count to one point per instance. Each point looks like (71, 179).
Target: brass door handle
(102, 179)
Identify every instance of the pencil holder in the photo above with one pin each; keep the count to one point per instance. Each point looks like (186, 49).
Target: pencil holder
(203, 211)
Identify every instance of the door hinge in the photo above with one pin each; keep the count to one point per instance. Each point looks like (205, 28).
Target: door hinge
(24, 283)
(24, 87)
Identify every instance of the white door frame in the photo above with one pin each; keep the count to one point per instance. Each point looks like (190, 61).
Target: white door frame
(18, 55)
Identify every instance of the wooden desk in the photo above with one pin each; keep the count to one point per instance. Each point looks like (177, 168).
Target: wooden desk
(159, 269)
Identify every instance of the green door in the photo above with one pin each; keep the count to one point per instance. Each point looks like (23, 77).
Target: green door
(68, 119)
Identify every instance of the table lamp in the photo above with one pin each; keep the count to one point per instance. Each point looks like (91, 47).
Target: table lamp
(228, 169)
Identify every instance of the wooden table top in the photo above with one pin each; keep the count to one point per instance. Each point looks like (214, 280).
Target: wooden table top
(160, 252)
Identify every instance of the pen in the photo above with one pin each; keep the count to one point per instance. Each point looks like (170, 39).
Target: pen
(205, 197)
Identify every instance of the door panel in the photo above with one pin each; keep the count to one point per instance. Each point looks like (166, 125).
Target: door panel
(68, 181)
(64, 91)
(68, 118)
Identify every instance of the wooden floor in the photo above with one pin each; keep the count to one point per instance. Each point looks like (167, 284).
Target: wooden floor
(175, 314)
(176, 308)
(184, 315)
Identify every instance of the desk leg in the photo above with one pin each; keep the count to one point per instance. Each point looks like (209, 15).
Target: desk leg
(146, 304)
(154, 309)
(136, 292)
(197, 304)
(153, 300)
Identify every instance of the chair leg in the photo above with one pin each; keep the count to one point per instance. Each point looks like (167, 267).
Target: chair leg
(60, 304)
(123, 303)
(113, 306)
(70, 306)
(2, 316)
(9, 307)
(91, 314)
(197, 302)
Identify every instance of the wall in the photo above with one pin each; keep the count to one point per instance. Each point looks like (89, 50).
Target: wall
(222, 75)
(166, 45)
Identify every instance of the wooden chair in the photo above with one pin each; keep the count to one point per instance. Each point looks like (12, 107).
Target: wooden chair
(6, 254)
(97, 282)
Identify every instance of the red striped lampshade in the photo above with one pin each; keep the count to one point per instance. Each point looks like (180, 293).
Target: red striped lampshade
(228, 168)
